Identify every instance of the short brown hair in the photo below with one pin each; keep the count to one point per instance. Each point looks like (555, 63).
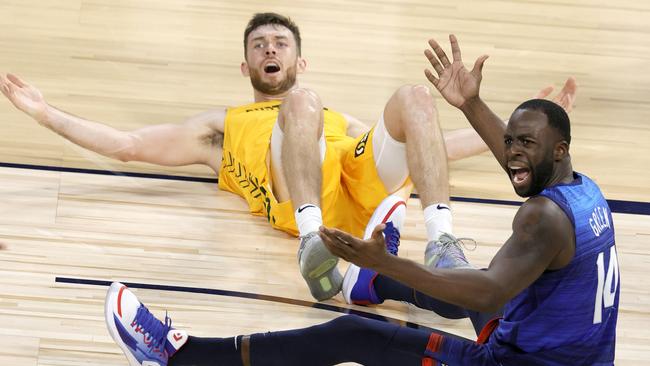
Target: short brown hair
(261, 19)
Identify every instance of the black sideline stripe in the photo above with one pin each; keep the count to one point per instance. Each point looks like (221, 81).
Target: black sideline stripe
(247, 295)
(618, 206)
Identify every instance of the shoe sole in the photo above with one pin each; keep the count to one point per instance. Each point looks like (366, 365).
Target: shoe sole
(388, 210)
(392, 208)
(320, 272)
(351, 276)
(112, 293)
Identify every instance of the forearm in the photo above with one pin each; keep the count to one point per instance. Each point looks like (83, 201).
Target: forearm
(469, 288)
(463, 143)
(488, 125)
(93, 136)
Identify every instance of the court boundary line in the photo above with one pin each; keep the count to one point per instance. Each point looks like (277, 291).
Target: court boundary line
(252, 296)
(617, 206)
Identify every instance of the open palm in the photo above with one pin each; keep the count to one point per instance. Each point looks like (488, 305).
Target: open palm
(23, 96)
(565, 97)
(454, 82)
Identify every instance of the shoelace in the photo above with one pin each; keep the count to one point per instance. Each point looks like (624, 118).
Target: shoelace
(448, 241)
(155, 328)
(392, 238)
(305, 238)
(463, 242)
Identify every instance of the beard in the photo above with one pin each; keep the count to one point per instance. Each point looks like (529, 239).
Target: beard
(541, 174)
(273, 89)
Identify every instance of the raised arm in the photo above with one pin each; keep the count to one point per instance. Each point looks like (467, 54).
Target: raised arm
(460, 88)
(542, 239)
(195, 141)
(465, 142)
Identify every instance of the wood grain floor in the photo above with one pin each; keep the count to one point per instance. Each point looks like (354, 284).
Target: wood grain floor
(131, 63)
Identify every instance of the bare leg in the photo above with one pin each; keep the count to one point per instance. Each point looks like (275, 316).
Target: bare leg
(301, 120)
(410, 116)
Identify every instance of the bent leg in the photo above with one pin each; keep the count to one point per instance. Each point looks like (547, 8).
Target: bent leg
(297, 172)
(410, 116)
(300, 122)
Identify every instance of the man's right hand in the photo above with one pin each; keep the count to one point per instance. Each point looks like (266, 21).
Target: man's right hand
(454, 82)
(24, 96)
(370, 253)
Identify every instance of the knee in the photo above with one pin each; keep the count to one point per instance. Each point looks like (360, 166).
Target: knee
(410, 110)
(415, 97)
(301, 105)
(301, 94)
(303, 101)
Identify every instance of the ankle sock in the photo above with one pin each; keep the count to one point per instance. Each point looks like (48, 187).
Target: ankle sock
(309, 218)
(437, 219)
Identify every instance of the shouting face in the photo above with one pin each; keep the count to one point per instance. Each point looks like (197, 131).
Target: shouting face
(533, 148)
(272, 60)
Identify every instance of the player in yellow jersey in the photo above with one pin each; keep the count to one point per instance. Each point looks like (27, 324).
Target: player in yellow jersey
(297, 163)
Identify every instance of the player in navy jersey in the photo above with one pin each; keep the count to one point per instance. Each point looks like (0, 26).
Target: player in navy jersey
(555, 280)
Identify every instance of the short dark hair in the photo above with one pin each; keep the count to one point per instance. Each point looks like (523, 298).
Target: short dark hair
(556, 115)
(261, 19)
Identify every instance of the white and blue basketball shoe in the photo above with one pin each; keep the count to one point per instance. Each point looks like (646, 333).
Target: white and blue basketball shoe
(145, 340)
(358, 283)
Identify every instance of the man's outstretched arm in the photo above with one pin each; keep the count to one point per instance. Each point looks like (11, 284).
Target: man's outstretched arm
(191, 142)
(542, 235)
(460, 88)
(465, 142)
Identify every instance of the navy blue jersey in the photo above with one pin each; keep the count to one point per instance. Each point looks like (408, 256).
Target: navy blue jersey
(568, 316)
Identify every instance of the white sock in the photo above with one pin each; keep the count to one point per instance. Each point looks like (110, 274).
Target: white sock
(437, 219)
(308, 218)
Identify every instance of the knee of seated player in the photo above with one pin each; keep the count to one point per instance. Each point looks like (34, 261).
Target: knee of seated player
(416, 98)
(418, 93)
(301, 107)
(408, 108)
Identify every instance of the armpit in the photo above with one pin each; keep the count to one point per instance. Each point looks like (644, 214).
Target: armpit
(215, 139)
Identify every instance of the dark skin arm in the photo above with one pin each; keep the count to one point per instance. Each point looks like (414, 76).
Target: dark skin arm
(460, 88)
(542, 239)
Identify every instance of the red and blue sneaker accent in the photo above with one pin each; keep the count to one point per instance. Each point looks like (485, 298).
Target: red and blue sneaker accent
(358, 283)
(145, 340)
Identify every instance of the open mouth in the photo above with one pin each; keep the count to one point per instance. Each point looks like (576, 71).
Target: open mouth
(271, 68)
(519, 175)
